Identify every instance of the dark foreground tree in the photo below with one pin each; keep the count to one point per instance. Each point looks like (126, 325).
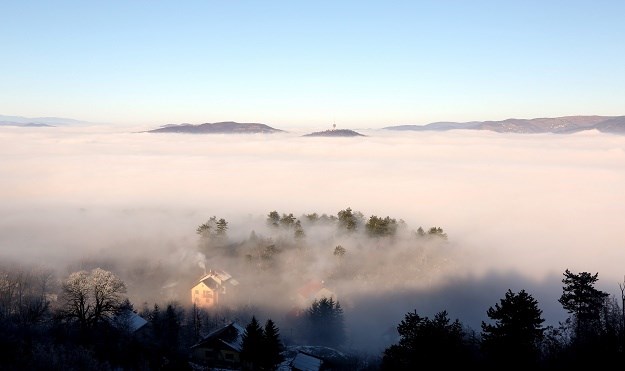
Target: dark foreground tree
(23, 294)
(325, 323)
(594, 342)
(90, 297)
(252, 347)
(581, 299)
(516, 333)
(272, 347)
(424, 341)
(261, 348)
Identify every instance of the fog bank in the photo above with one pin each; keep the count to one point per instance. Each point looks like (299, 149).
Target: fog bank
(522, 208)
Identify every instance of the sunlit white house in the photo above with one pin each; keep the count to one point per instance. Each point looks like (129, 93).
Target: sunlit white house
(212, 288)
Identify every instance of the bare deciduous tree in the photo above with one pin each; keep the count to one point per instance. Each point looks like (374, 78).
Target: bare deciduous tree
(90, 297)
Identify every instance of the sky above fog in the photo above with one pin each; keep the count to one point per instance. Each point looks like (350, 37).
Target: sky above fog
(518, 209)
(360, 64)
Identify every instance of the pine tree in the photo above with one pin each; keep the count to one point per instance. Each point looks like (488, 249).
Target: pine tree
(347, 220)
(171, 322)
(273, 219)
(591, 343)
(580, 298)
(437, 341)
(222, 227)
(287, 220)
(517, 329)
(272, 349)
(339, 251)
(252, 347)
(299, 231)
(325, 322)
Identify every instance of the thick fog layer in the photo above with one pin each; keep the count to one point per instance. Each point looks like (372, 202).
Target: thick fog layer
(517, 209)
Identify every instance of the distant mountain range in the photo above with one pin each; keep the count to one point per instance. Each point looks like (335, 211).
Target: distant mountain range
(227, 127)
(560, 125)
(25, 125)
(564, 125)
(335, 133)
(231, 127)
(39, 121)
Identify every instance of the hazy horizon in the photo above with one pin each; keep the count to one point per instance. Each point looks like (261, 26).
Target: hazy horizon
(293, 129)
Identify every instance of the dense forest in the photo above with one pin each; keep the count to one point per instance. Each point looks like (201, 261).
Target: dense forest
(88, 319)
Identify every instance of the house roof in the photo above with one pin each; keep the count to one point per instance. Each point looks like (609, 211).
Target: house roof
(216, 278)
(210, 282)
(310, 289)
(230, 335)
(136, 322)
(315, 290)
(237, 345)
(223, 276)
(306, 362)
(130, 320)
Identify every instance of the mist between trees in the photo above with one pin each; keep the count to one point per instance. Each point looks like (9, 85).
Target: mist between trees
(90, 324)
(352, 255)
(375, 270)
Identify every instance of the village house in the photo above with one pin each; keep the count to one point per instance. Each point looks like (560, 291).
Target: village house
(305, 362)
(212, 288)
(129, 321)
(311, 291)
(221, 348)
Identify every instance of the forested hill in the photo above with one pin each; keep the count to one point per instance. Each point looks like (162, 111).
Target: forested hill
(335, 133)
(227, 127)
(561, 125)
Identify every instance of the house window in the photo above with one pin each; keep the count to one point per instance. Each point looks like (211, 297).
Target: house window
(229, 356)
(197, 292)
(207, 294)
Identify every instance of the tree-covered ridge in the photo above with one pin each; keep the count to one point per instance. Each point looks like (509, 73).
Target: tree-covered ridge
(340, 248)
(335, 133)
(227, 127)
(345, 221)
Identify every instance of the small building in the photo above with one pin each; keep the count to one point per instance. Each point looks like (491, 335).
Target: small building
(129, 321)
(211, 288)
(221, 348)
(305, 362)
(313, 290)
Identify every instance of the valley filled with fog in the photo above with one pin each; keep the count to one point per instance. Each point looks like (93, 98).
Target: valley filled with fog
(518, 209)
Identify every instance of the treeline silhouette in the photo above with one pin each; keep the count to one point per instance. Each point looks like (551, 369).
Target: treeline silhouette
(89, 325)
(514, 337)
(85, 321)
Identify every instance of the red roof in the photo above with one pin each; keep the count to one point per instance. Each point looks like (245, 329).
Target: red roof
(310, 289)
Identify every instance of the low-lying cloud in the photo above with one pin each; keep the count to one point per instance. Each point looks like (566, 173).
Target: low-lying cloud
(518, 209)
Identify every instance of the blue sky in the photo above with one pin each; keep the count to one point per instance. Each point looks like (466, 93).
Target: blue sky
(359, 64)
